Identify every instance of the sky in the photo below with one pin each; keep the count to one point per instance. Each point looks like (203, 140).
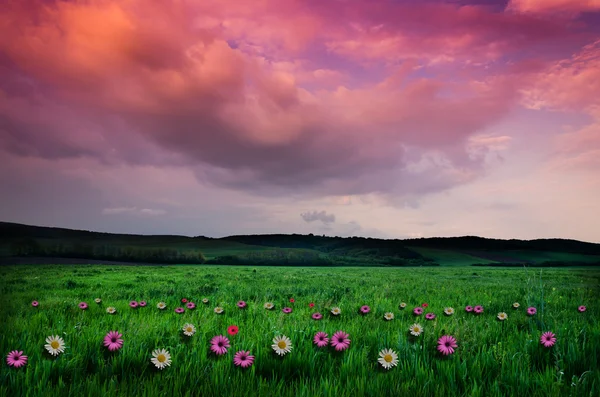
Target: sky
(376, 118)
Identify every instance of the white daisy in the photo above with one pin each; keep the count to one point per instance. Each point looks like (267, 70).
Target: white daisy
(161, 305)
(388, 358)
(402, 305)
(98, 300)
(218, 310)
(336, 311)
(269, 305)
(516, 305)
(55, 345)
(189, 330)
(111, 310)
(449, 311)
(502, 316)
(416, 329)
(205, 301)
(282, 345)
(388, 316)
(161, 358)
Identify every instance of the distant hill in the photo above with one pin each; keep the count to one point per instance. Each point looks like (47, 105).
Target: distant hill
(22, 241)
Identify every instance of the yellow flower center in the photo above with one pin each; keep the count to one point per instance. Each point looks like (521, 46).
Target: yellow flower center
(388, 358)
(161, 358)
(416, 329)
(55, 344)
(281, 344)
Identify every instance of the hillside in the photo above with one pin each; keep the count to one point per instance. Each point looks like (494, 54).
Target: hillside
(17, 240)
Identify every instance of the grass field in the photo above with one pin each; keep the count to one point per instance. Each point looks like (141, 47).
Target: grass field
(493, 358)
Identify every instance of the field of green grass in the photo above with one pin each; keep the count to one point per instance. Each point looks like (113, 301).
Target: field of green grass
(450, 258)
(493, 358)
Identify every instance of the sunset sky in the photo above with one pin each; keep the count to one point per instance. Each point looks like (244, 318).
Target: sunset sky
(381, 118)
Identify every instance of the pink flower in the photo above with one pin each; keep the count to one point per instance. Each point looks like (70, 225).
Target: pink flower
(447, 344)
(424, 305)
(340, 341)
(16, 359)
(292, 300)
(311, 305)
(113, 340)
(478, 309)
(243, 359)
(287, 310)
(365, 309)
(417, 311)
(317, 316)
(142, 303)
(531, 311)
(241, 304)
(133, 304)
(191, 305)
(83, 305)
(36, 304)
(430, 316)
(219, 345)
(581, 308)
(179, 310)
(548, 339)
(321, 339)
(468, 309)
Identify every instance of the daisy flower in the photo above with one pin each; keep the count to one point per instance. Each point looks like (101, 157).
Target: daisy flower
(218, 310)
(83, 305)
(317, 316)
(531, 311)
(133, 304)
(269, 305)
(581, 309)
(365, 309)
(111, 310)
(311, 305)
(183, 300)
(340, 341)
(448, 311)
(282, 345)
(287, 310)
(190, 305)
(321, 339)
(241, 304)
(205, 301)
(336, 311)
(219, 345)
(416, 329)
(478, 309)
(388, 358)
(292, 300)
(468, 309)
(161, 358)
(179, 310)
(548, 339)
(417, 311)
(502, 316)
(113, 340)
(34, 304)
(424, 305)
(233, 330)
(446, 345)
(161, 305)
(189, 329)
(402, 306)
(98, 300)
(429, 316)
(388, 316)
(243, 359)
(142, 303)
(16, 359)
(516, 305)
(55, 345)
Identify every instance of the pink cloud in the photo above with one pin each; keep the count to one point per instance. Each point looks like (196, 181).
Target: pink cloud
(544, 6)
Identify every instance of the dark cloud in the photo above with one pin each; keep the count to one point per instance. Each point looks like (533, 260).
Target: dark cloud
(318, 216)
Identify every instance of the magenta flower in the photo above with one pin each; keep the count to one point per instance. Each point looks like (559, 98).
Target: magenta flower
(243, 359)
(531, 311)
(113, 340)
(548, 339)
(179, 310)
(321, 339)
(418, 311)
(317, 316)
(133, 304)
(36, 304)
(191, 305)
(219, 345)
(365, 309)
(83, 305)
(468, 309)
(142, 303)
(581, 308)
(478, 309)
(340, 341)
(241, 304)
(16, 359)
(447, 344)
(430, 316)
(287, 310)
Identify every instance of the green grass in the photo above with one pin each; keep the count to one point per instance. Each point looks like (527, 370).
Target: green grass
(493, 358)
(449, 258)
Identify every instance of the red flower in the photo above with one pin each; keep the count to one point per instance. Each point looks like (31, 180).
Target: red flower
(184, 300)
(424, 305)
(311, 304)
(292, 300)
(232, 330)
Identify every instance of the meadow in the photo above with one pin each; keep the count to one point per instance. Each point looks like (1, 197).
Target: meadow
(493, 357)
